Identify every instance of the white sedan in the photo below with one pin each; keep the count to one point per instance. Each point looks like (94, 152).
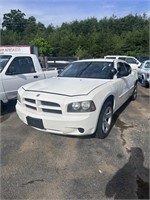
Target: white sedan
(81, 100)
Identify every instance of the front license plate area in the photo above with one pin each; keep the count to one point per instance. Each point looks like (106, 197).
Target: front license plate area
(35, 122)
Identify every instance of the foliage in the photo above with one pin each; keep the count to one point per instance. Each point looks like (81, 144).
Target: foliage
(81, 53)
(86, 38)
(42, 45)
(14, 21)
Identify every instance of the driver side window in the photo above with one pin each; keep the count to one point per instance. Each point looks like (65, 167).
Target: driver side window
(123, 69)
(128, 68)
(21, 65)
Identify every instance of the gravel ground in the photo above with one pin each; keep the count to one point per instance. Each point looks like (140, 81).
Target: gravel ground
(39, 165)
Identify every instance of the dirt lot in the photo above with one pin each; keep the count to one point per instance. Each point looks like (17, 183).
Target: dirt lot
(39, 165)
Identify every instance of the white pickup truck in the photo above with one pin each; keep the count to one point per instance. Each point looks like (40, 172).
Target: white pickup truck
(81, 100)
(17, 70)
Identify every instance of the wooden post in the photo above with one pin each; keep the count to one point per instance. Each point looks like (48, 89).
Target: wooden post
(46, 62)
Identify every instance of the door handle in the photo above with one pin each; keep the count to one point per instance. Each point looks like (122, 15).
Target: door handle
(35, 76)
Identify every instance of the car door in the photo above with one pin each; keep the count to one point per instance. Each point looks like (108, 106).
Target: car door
(124, 81)
(20, 72)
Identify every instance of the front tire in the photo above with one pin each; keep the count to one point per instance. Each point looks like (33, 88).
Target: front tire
(104, 121)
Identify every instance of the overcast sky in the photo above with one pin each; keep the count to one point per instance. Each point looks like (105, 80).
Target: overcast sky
(56, 12)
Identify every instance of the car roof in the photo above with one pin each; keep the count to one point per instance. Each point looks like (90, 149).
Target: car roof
(117, 56)
(95, 60)
(100, 60)
(146, 61)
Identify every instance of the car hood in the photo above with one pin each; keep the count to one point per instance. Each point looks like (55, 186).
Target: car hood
(147, 70)
(66, 86)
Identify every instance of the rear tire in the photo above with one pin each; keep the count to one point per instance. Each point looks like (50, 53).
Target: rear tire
(104, 121)
(134, 94)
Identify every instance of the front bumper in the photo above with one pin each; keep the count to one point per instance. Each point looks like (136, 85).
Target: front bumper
(78, 124)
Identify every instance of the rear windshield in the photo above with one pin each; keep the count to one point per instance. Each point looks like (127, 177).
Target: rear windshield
(3, 61)
(94, 70)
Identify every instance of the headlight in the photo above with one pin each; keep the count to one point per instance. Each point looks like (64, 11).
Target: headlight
(83, 106)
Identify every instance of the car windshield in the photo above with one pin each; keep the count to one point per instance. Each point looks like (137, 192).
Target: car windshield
(96, 70)
(3, 61)
(147, 65)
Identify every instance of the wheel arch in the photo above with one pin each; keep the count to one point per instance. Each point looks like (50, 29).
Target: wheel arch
(143, 76)
(110, 98)
(136, 82)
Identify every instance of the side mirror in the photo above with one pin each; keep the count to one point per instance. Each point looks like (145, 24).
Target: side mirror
(10, 71)
(113, 71)
(60, 70)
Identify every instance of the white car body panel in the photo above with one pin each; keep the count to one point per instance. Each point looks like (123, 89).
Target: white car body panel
(61, 91)
(58, 85)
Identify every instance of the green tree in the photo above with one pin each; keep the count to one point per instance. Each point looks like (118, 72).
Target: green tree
(9, 37)
(128, 35)
(81, 53)
(43, 46)
(30, 31)
(14, 21)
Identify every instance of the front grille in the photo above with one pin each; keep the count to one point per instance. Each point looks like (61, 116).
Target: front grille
(52, 111)
(42, 106)
(47, 103)
(31, 107)
(30, 100)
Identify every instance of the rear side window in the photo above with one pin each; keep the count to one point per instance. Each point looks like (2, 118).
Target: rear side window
(128, 68)
(123, 68)
(122, 58)
(131, 60)
(21, 65)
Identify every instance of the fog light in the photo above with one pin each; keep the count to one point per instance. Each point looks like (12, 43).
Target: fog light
(81, 130)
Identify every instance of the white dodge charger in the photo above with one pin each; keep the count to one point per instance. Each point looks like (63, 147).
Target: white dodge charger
(81, 100)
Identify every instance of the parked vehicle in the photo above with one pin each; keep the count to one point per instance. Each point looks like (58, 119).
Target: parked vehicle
(17, 70)
(134, 63)
(81, 100)
(144, 73)
(142, 58)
